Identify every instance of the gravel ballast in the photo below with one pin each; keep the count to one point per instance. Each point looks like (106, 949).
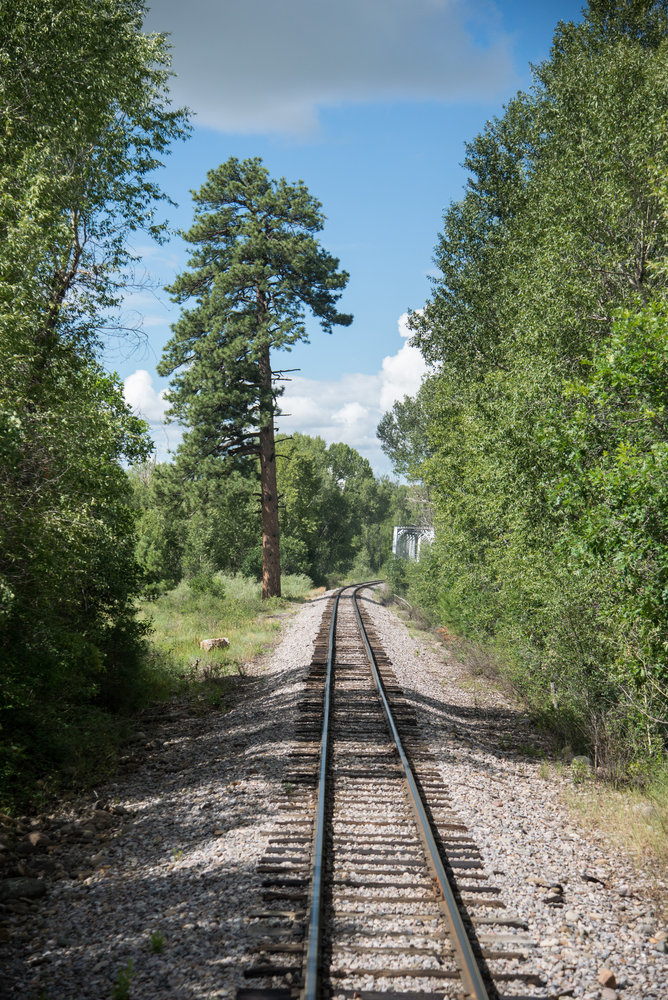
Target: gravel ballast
(158, 881)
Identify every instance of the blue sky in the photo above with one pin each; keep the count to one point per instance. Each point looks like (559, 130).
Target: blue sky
(370, 103)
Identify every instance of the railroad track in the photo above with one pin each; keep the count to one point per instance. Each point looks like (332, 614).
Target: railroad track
(372, 887)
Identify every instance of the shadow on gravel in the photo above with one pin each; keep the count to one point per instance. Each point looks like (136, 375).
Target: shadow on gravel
(167, 894)
(504, 732)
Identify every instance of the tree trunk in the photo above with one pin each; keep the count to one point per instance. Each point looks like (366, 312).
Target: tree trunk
(271, 559)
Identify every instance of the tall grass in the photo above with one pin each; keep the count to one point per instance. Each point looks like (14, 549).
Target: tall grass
(211, 607)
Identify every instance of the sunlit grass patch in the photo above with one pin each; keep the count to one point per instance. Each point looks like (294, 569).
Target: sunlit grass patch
(215, 607)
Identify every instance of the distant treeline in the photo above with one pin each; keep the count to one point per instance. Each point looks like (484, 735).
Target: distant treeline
(336, 517)
(542, 431)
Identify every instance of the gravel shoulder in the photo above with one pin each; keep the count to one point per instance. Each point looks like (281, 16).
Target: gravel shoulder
(158, 868)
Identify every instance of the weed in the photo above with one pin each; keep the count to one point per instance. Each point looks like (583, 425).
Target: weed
(288, 787)
(121, 988)
(580, 771)
(222, 605)
(178, 854)
(157, 942)
(215, 698)
(530, 750)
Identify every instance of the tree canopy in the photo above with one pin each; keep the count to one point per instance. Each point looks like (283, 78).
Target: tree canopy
(85, 117)
(545, 413)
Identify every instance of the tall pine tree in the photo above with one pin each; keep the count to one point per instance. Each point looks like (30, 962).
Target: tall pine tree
(254, 270)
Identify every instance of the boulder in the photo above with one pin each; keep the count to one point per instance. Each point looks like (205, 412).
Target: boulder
(208, 644)
(38, 840)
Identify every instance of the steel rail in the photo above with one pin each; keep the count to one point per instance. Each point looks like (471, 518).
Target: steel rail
(311, 973)
(470, 971)
(314, 935)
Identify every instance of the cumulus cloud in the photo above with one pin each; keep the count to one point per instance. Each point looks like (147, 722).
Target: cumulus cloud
(142, 397)
(146, 401)
(402, 372)
(349, 409)
(269, 65)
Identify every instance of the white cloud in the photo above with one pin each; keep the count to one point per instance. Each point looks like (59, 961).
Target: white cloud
(143, 398)
(404, 329)
(402, 372)
(349, 409)
(270, 65)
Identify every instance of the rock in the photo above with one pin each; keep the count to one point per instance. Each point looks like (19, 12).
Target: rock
(609, 994)
(101, 818)
(607, 978)
(46, 866)
(25, 849)
(39, 840)
(208, 644)
(22, 888)
(591, 877)
(582, 761)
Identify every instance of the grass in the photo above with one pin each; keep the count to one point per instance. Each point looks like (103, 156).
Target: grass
(222, 606)
(81, 747)
(157, 942)
(635, 819)
(121, 988)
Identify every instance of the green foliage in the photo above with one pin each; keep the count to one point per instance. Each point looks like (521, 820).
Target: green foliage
(334, 509)
(402, 433)
(254, 270)
(85, 116)
(121, 987)
(157, 942)
(396, 574)
(545, 415)
(333, 513)
(183, 616)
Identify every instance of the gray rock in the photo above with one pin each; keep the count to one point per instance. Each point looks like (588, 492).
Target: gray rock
(22, 888)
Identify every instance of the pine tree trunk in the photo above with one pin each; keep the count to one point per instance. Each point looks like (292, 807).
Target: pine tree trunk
(271, 559)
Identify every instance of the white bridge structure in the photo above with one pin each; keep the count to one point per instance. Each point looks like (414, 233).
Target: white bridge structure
(407, 541)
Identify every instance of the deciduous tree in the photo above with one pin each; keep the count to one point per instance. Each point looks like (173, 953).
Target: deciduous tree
(84, 120)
